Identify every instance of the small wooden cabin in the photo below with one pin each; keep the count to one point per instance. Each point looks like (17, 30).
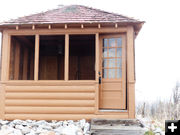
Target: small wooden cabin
(73, 62)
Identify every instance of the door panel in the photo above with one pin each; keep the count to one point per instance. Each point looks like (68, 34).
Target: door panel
(113, 68)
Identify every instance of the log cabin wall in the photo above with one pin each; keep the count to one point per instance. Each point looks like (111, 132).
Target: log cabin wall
(50, 100)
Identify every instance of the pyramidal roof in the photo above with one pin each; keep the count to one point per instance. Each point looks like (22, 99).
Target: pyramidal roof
(72, 14)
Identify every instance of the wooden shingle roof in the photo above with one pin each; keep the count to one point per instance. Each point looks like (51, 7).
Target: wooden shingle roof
(73, 14)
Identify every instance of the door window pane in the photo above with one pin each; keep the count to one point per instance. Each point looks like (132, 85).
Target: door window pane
(105, 52)
(119, 42)
(105, 61)
(119, 52)
(112, 63)
(112, 52)
(119, 62)
(105, 73)
(105, 43)
(112, 73)
(119, 73)
(112, 42)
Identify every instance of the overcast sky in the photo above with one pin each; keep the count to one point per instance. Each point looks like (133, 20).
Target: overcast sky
(157, 45)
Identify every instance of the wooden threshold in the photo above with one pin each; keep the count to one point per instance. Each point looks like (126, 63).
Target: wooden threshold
(112, 110)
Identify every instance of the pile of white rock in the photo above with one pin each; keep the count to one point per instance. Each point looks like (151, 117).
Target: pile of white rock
(42, 127)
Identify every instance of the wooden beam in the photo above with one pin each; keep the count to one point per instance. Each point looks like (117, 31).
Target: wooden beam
(5, 56)
(64, 116)
(65, 26)
(33, 27)
(36, 65)
(116, 25)
(99, 26)
(67, 31)
(97, 73)
(66, 66)
(130, 72)
(97, 56)
(17, 27)
(49, 27)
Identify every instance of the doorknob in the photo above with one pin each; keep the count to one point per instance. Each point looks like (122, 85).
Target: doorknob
(100, 80)
(99, 77)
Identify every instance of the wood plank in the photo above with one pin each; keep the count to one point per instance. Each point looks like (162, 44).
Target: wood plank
(116, 126)
(113, 86)
(11, 62)
(50, 83)
(49, 110)
(97, 72)
(66, 66)
(31, 66)
(51, 103)
(97, 99)
(62, 96)
(2, 104)
(130, 72)
(97, 56)
(110, 99)
(50, 88)
(17, 61)
(65, 31)
(36, 65)
(117, 132)
(62, 116)
(25, 64)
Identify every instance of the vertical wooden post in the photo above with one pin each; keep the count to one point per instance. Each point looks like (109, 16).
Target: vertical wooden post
(5, 57)
(36, 65)
(97, 56)
(97, 73)
(4, 70)
(130, 72)
(66, 66)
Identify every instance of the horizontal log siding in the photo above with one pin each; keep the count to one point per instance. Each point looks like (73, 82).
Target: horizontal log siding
(46, 101)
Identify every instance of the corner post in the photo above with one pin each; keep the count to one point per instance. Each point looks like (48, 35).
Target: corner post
(130, 72)
(4, 71)
(97, 72)
(5, 56)
(66, 66)
(36, 65)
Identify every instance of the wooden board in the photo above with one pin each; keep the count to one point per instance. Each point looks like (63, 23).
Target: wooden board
(48, 68)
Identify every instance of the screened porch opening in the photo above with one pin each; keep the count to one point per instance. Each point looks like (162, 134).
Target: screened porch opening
(82, 57)
(51, 57)
(22, 58)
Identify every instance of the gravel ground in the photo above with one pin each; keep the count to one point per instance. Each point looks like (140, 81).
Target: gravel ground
(42, 127)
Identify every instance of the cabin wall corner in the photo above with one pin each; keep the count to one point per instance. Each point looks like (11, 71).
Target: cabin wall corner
(130, 73)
